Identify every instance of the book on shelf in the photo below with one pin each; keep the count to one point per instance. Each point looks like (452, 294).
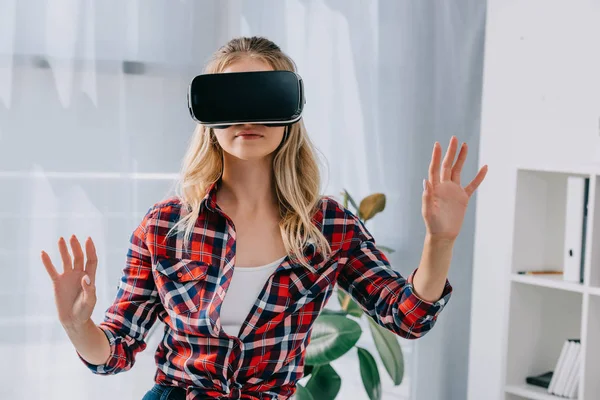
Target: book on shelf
(575, 228)
(564, 380)
(542, 380)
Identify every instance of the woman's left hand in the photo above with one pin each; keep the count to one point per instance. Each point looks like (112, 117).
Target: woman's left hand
(445, 201)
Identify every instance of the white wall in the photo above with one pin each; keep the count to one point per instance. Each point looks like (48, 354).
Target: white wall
(541, 105)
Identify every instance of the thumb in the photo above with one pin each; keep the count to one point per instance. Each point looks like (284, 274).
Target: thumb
(426, 189)
(426, 194)
(88, 288)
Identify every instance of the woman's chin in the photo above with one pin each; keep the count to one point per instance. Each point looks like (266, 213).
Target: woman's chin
(251, 154)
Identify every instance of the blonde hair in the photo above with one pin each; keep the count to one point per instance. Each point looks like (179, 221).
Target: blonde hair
(296, 172)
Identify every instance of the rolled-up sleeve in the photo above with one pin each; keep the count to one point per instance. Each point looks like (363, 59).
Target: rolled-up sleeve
(129, 318)
(383, 293)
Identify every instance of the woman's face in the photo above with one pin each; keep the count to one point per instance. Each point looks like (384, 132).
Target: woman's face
(249, 141)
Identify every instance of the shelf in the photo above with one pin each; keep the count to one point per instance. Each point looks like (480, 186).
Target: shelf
(595, 291)
(540, 318)
(568, 169)
(539, 221)
(545, 310)
(594, 226)
(591, 383)
(549, 281)
(531, 392)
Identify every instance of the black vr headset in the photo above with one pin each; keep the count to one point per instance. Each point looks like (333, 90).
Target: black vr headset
(272, 98)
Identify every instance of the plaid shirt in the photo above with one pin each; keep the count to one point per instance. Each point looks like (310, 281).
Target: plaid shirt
(185, 290)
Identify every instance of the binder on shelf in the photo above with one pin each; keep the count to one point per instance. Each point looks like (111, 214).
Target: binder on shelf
(573, 379)
(559, 365)
(566, 370)
(575, 228)
(565, 379)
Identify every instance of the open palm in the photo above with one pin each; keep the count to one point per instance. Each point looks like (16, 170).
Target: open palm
(74, 298)
(445, 201)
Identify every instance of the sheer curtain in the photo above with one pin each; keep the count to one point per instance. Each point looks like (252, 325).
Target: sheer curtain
(93, 126)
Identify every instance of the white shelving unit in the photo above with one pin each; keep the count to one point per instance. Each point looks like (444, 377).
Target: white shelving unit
(544, 311)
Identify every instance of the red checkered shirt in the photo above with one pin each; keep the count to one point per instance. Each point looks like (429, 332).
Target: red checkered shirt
(184, 288)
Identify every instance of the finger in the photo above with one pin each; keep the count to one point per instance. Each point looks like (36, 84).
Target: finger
(434, 165)
(427, 203)
(92, 259)
(64, 253)
(449, 159)
(49, 266)
(89, 290)
(426, 196)
(460, 161)
(477, 181)
(77, 254)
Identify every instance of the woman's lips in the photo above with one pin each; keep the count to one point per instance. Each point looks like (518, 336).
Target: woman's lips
(249, 135)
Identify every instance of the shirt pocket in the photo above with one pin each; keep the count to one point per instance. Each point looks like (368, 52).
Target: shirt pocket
(180, 283)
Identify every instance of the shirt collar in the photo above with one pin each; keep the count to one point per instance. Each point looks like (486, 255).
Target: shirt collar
(210, 197)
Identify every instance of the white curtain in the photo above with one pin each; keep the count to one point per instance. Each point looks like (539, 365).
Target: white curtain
(93, 125)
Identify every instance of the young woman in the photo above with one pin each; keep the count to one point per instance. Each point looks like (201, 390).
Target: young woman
(239, 264)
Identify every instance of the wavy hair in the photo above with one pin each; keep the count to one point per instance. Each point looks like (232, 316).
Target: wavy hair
(295, 167)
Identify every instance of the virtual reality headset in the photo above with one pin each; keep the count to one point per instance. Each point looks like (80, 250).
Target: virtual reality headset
(273, 98)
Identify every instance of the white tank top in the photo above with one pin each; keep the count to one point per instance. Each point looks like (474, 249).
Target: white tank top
(245, 286)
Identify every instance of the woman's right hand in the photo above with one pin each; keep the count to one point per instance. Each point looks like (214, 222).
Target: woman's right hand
(75, 299)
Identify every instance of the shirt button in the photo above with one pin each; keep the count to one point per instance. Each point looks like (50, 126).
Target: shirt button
(259, 310)
(180, 274)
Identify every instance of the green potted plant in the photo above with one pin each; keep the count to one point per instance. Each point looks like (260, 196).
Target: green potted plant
(335, 333)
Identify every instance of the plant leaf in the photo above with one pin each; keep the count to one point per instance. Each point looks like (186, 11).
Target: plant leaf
(371, 205)
(303, 393)
(325, 383)
(308, 369)
(342, 297)
(332, 337)
(389, 350)
(351, 200)
(348, 304)
(369, 374)
(327, 311)
(386, 249)
(344, 198)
